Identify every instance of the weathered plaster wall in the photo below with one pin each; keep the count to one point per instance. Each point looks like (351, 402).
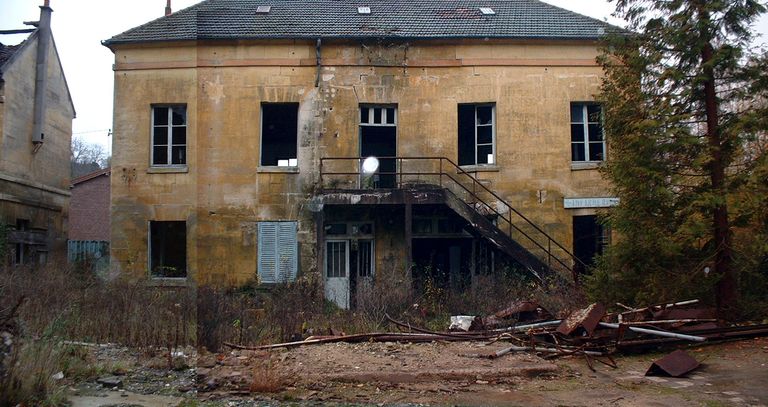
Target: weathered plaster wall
(224, 193)
(34, 185)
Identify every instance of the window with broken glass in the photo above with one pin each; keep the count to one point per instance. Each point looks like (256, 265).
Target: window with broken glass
(477, 134)
(168, 249)
(169, 135)
(587, 141)
(279, 134)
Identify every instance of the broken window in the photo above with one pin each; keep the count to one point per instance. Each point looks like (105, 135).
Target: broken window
(364, 257)
(278, 252)
(168, 249)
(378, 138)
(587, 141)
(169, 135)
(279, 129)
(477, 134)
(21, 249)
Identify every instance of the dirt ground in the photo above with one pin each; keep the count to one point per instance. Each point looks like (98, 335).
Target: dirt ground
(732, 374)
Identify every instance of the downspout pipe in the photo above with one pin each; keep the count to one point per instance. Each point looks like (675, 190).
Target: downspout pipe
(41, 73)
(319, 56)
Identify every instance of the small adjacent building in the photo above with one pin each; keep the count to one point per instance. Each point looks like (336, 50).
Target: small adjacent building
(263, 140)
(89, 224)
(36, 113)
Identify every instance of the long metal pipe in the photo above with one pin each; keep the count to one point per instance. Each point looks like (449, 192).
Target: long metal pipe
(657, 333)
(529, 326)
(41, 74)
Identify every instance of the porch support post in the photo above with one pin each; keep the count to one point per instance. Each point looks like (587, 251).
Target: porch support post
(409, 241)
(320, 243)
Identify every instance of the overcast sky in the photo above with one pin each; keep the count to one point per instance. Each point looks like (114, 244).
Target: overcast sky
(80, 25)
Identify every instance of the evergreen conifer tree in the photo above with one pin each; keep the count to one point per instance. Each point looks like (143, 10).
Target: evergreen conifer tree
(686, 119)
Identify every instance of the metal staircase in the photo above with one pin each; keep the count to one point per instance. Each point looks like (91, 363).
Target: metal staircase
(489, 214)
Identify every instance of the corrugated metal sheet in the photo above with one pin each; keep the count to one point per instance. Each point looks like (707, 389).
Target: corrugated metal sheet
(81, 250)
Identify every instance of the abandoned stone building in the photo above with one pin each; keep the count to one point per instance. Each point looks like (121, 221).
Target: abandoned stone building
(36, 113)
(270, 139)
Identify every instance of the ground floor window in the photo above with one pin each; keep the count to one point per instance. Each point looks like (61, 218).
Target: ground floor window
(168, 249)
(278, 252)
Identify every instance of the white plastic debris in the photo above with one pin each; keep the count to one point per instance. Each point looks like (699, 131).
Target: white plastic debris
(461, 323)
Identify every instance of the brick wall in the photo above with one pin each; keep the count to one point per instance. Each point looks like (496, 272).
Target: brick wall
(89, 209)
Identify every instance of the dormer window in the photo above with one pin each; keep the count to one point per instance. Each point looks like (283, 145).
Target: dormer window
(363, 10)
(263, 9)
(487, 11)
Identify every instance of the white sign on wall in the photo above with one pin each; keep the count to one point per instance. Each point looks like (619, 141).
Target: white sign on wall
(576, 203)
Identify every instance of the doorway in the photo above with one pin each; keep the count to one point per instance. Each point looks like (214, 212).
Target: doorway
(348, 270)
(378, 138)
(589, 240)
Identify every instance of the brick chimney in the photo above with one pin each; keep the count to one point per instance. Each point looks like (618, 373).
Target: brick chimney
(167, 7)
(41, 73)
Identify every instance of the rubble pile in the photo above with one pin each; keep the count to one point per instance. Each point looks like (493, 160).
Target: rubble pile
(591, 332)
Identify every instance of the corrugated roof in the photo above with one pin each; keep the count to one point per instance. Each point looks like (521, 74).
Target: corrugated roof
(396, 19)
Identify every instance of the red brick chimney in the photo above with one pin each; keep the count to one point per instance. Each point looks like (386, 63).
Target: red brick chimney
(167, 7)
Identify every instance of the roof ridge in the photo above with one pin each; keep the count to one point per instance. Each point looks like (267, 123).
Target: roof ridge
(90, 176)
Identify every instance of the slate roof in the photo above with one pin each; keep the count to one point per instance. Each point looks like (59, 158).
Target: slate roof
(392, 19)
(6, 52)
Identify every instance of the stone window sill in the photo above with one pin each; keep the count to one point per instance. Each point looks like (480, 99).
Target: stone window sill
(480, 168)
(168, 282)
(283, 170)
(586, 165)
(168, 170)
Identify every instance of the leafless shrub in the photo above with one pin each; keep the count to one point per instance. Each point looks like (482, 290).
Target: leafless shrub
(227, 315)
(388, 295)
(71, 304)
(266, 378)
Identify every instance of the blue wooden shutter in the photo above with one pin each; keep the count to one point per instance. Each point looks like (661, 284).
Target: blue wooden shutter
(287, 251)
(267, 252)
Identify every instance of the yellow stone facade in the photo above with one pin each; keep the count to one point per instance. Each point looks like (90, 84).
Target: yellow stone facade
(223, 192)
(34, 181)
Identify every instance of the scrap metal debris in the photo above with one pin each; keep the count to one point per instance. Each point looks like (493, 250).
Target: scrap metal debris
(590, 332)
(586, 318)
(676, 364)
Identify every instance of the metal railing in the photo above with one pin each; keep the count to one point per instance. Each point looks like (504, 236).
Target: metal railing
(443, 172)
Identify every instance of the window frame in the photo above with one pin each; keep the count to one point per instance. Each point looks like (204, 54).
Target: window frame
(493, 143)
(150, 272)
(169, 142)
(585, 142)
(261, 164)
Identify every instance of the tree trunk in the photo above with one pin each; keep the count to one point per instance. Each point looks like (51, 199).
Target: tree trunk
(726, 291)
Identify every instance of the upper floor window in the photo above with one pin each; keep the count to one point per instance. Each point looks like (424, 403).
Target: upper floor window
(279, 134)
(169, 135)
(587, 141)
(477, 134)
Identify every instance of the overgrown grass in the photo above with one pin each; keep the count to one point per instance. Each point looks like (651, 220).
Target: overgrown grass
(60, 303)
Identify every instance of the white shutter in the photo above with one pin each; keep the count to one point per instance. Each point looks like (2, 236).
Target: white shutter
(267, 252)
(287, 252)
